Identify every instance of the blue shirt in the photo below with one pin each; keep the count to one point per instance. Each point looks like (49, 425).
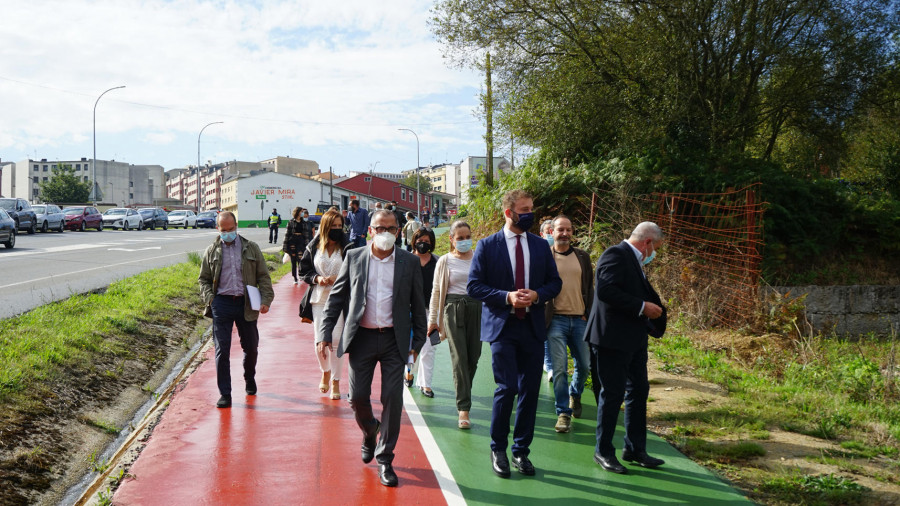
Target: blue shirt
(359, 223)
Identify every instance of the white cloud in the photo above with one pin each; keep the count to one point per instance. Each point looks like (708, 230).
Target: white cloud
(309, 73)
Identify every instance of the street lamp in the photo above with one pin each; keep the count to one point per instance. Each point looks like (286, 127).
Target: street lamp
(418, 184)
(95, 188)
(199, 192)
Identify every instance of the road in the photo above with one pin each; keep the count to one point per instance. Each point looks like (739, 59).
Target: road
(48, 267)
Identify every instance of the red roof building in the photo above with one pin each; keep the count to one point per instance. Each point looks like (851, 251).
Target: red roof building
(386, 191)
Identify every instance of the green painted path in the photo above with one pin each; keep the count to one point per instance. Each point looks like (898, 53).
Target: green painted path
(565, 467)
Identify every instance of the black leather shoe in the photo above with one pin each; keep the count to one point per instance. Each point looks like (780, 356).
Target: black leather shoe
(408, 381)
(387, 475)
(523, 465)
(642, 459)
(224, 402)
(428, 393)
(251, 387)
(610, 463)
(368, 446)
(500, 464)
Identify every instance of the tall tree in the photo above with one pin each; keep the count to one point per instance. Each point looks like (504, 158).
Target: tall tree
(714, 76)
(65, 186)
(410, 180)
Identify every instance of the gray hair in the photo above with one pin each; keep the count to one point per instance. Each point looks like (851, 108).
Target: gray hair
(647, 230)
(545, 224)
(383, 212)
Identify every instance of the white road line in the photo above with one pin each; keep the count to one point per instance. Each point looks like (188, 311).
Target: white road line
(452, 493)
(91, 269)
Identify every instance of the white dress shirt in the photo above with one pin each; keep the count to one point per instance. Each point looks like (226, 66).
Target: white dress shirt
(379, 292)
(511, 246)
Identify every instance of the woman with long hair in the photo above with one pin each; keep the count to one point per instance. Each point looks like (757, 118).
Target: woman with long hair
(319, 268)
(423, 242)
(297, 236)
(457, 316)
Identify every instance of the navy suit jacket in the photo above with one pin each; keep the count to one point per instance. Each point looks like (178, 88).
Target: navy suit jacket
(491, 278)
(621, 289)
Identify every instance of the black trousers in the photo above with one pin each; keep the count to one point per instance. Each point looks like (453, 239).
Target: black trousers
(273, 229)
(368, 348)
(623, 377)
(228, 312)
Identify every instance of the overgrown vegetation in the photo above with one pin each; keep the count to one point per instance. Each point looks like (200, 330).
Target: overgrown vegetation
(844, 391)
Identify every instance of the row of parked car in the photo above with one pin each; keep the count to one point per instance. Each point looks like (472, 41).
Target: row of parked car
(19, 215)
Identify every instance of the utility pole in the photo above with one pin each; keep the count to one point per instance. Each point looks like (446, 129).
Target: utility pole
(331, 183)
(489, 136)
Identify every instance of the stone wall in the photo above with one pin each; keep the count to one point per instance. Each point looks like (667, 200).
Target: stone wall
(850, 310)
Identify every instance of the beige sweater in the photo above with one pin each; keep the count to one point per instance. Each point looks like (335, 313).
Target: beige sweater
(439, 290)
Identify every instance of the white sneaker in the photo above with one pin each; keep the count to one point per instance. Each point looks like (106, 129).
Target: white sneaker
(296, 283)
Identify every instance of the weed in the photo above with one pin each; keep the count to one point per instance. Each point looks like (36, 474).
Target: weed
(116, 479)
(826, 488)
(723, 452)
(194, 258)
(104, 498)
(103, 425)
(35, 459)
(96, 464)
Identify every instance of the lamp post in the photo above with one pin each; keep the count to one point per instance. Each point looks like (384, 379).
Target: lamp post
(418, 184)
(95, 189)
(372, 176)
(199, 190)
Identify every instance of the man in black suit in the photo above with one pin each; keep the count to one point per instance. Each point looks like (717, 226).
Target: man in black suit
(626, 310)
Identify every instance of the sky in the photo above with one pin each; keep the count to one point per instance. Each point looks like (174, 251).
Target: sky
(330, 81)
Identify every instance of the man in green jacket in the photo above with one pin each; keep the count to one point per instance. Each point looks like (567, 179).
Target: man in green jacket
(232, 266)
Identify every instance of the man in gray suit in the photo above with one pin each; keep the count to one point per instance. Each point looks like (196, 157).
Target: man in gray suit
(379, 290)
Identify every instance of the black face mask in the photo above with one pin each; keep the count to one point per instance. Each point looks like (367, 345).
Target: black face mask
(335, 234)
(423, 247)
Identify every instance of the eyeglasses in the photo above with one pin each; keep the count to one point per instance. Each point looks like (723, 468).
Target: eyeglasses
(382, 230)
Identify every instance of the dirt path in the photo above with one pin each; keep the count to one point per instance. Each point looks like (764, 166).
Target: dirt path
(785, 451)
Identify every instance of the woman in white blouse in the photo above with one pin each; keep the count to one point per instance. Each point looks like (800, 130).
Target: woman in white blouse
(319, 268)
(457, 316)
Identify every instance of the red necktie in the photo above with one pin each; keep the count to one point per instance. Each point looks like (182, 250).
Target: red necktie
(520, 273)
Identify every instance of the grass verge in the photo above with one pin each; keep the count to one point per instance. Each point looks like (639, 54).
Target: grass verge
(837, 390)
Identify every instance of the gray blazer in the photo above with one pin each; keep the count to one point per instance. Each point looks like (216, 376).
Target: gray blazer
(348, 295)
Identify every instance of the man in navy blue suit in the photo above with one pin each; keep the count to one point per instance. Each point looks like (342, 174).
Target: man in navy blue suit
(626, 310)
(513, 273)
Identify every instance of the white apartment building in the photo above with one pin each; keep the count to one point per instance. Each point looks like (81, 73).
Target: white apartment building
(117, 183)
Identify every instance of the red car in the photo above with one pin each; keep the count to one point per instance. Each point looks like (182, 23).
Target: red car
(82, 218)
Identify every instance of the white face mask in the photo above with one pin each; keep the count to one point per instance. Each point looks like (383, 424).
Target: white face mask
(384, 241)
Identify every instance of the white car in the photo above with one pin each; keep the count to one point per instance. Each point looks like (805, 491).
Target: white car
(124, 218)
(182, 219)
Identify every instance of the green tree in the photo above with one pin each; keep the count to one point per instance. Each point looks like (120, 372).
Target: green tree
(710, 76)
(423, 181)
(65, 186)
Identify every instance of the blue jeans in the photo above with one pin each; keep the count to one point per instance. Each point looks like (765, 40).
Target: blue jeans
(548, 366)
(358, 241)
(568, 331)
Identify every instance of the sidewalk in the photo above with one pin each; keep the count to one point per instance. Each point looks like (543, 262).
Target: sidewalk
(290, 444)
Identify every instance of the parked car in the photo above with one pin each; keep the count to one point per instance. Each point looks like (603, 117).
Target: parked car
(154, 217)
(183, 218)
(124, 218)
(8, 230)
(83, 217)
(49, 217)
(21, 212)
(207, 219)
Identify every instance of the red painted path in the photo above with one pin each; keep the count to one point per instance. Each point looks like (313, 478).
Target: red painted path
(289, 444)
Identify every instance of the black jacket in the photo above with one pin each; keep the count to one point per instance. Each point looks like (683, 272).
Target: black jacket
(297, 236)
(620, 290)
(308, 271)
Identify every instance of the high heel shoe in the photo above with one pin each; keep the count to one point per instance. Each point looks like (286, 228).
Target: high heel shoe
(323, 385)
(336, 390)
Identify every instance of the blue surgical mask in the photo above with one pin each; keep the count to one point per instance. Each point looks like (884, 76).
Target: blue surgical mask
(526, 220)
(650, 258)
(549, 239)
(228, 236)
(464, 245)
